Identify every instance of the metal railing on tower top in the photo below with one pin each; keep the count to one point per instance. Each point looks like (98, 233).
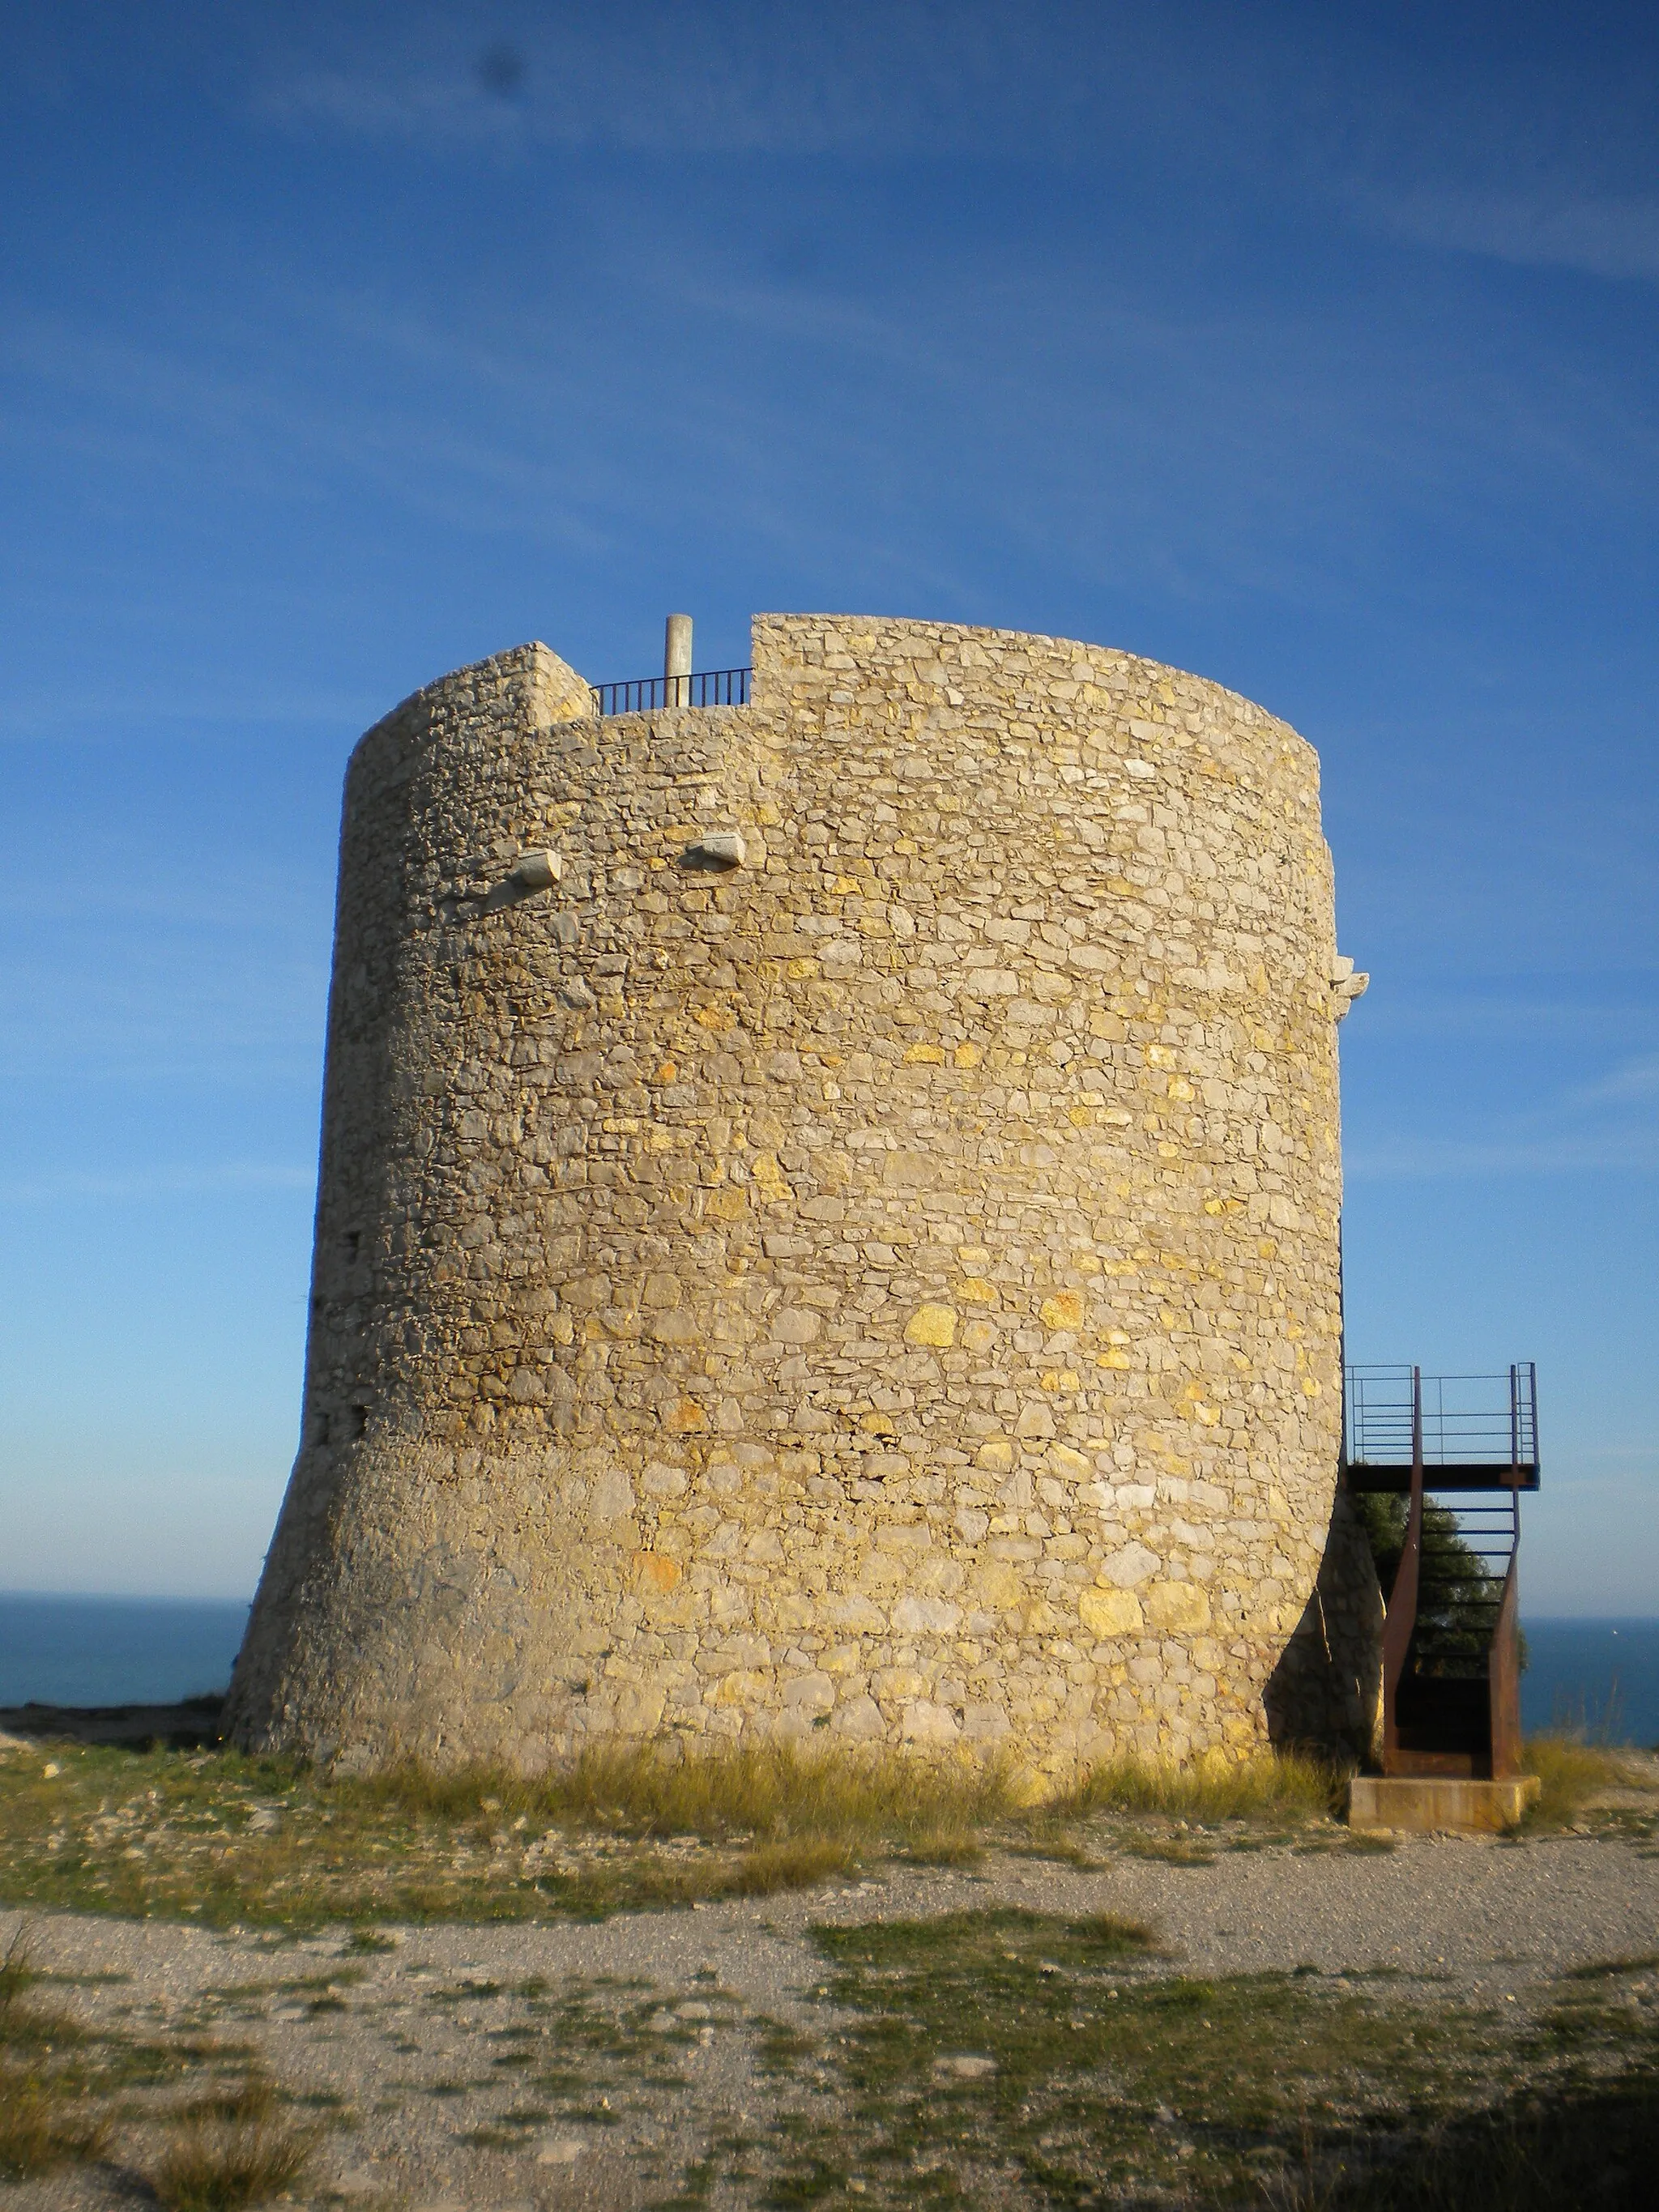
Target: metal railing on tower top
(646, 695)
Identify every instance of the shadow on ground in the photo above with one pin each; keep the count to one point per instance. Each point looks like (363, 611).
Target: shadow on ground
(191, 1725)
(1585, 2144)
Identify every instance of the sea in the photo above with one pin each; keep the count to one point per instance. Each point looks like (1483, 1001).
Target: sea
(115, 1650)
(1599, 1679)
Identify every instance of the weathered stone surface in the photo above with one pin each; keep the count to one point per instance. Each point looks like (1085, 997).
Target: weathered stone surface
(889, 1286)
(1110, 1612)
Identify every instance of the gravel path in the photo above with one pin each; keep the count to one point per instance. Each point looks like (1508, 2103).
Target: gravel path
(415, 2044)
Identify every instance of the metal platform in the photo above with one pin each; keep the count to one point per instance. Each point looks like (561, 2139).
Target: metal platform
(1475, 1432)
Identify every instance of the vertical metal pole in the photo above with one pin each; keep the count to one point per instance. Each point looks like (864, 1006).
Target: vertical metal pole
(676, 661)
(1532, 1404)
(1514, 1420)
(1417, 1434)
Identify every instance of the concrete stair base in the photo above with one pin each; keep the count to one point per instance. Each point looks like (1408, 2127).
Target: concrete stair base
(1435, 1800)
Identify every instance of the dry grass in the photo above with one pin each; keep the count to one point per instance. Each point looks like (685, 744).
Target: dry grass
(26, 2024)
(766, 1792)
(635, 1881)
(42, 2123)
(1206, 1791)
(797, 1815)
(1572, 1773)
(230, 2150)
(771, 1817)
(17, 1972)
(1559, 2151)
(228, 1840)
(41, 2128)
(791, 1862)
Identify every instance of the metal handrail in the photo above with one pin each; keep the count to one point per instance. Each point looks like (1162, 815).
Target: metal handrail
(1467, 1419)
(646, 695)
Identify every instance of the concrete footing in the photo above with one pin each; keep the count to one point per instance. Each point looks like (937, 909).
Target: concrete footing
(1439, 1801)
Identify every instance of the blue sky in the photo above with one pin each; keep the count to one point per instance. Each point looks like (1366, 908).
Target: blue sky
(1312, 349)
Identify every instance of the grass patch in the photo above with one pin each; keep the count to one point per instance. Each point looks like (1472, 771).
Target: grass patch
(367, 1941)
(1588, 2143)
(1169, 1851)
(41, 2127)
(1593, 2020)
(977, 1943)
(228, 1840)
(1012, 2057)
(1206, 1791)
(231, 2149)
(43, 2123)
(1599, 1969)
(1572, 1773)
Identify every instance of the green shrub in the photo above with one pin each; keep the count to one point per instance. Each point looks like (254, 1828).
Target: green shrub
(1455, 1590)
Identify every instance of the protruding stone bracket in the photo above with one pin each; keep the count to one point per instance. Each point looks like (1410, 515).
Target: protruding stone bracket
(717, 853)
(1346, 986)
(532, 871)
(539, 871)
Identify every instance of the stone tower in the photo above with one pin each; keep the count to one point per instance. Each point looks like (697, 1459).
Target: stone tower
(828, 1221)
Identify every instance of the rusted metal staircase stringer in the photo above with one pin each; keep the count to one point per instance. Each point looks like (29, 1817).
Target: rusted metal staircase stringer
(1503, 1659)
(1400, 1619)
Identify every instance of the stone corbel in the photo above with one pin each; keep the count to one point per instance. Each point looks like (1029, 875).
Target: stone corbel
(717, 852)
(539, 871)
(1347, 984)
(532, 871)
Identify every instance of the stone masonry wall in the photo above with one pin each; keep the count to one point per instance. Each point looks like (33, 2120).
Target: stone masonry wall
(889, 1289)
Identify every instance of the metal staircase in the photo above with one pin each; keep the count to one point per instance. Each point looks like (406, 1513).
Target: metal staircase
(1452, 1670)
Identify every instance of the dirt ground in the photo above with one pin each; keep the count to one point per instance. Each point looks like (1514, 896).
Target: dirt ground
(707, 2056)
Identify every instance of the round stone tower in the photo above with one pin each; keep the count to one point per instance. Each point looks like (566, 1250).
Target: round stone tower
(828, 1221)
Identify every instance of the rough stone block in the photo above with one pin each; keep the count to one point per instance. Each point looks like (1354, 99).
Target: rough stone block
(1415, 1802)
(1110, 1612)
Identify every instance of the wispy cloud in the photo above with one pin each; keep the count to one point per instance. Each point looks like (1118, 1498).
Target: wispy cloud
(1636, 1080)
(76, 712)
(1145, 440)
(1606, 1126)
(161, 992)
(76, 1187)
(1598, 236)
(1413, 1158)
(657, 78)
(1502, 155)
